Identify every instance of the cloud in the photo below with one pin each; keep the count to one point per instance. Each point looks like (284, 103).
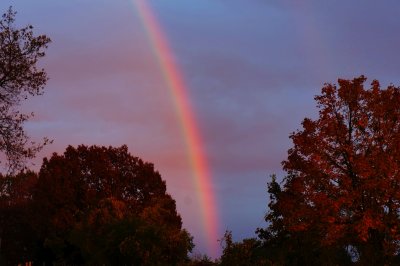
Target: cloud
(252, 69)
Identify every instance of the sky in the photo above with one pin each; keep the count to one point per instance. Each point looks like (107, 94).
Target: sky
(252, 69)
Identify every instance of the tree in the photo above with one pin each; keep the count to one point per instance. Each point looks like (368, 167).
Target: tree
(98, 205)
(288, 247)
(201, 260)
(341, 191)
(245, 253)
(20, 51)
(17, 237)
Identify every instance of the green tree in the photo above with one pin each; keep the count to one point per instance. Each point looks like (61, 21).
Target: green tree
(340, 194)
(106, 206)
(20, 51)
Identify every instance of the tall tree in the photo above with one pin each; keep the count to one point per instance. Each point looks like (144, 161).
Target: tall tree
(341, 191)
(20, 51)
(100, 205)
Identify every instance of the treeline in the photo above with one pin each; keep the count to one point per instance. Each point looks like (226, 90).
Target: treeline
(339, 203)
(100, 206)
(93, 206)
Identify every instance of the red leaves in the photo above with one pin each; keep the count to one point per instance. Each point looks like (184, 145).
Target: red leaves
(102, 198)
(344, 171)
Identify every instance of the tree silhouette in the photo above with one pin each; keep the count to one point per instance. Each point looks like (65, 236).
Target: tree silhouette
(341, 192)
(245, 253)
(20, 51)
(98, 205)
(17, 236)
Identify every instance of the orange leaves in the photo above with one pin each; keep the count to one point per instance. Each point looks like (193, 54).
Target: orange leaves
(104, 201)
(108, 210)
(344, 169)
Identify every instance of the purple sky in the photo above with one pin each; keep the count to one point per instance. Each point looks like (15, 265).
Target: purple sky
(253, 67)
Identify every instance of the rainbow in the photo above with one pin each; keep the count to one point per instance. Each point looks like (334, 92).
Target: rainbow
(179, 90)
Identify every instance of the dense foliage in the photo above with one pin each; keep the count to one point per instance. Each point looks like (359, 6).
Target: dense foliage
(339, 203)
(340, 199)
(91, 205)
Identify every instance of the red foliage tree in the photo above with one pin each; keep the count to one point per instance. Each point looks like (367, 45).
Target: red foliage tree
(99, 205)
(343, 174)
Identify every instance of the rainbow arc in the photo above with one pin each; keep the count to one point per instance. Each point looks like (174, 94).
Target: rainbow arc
(179, 91)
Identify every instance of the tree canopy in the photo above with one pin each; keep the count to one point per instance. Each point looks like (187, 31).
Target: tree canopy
(341, 192)
(92, 205)
(20, 77)
(339, 203)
